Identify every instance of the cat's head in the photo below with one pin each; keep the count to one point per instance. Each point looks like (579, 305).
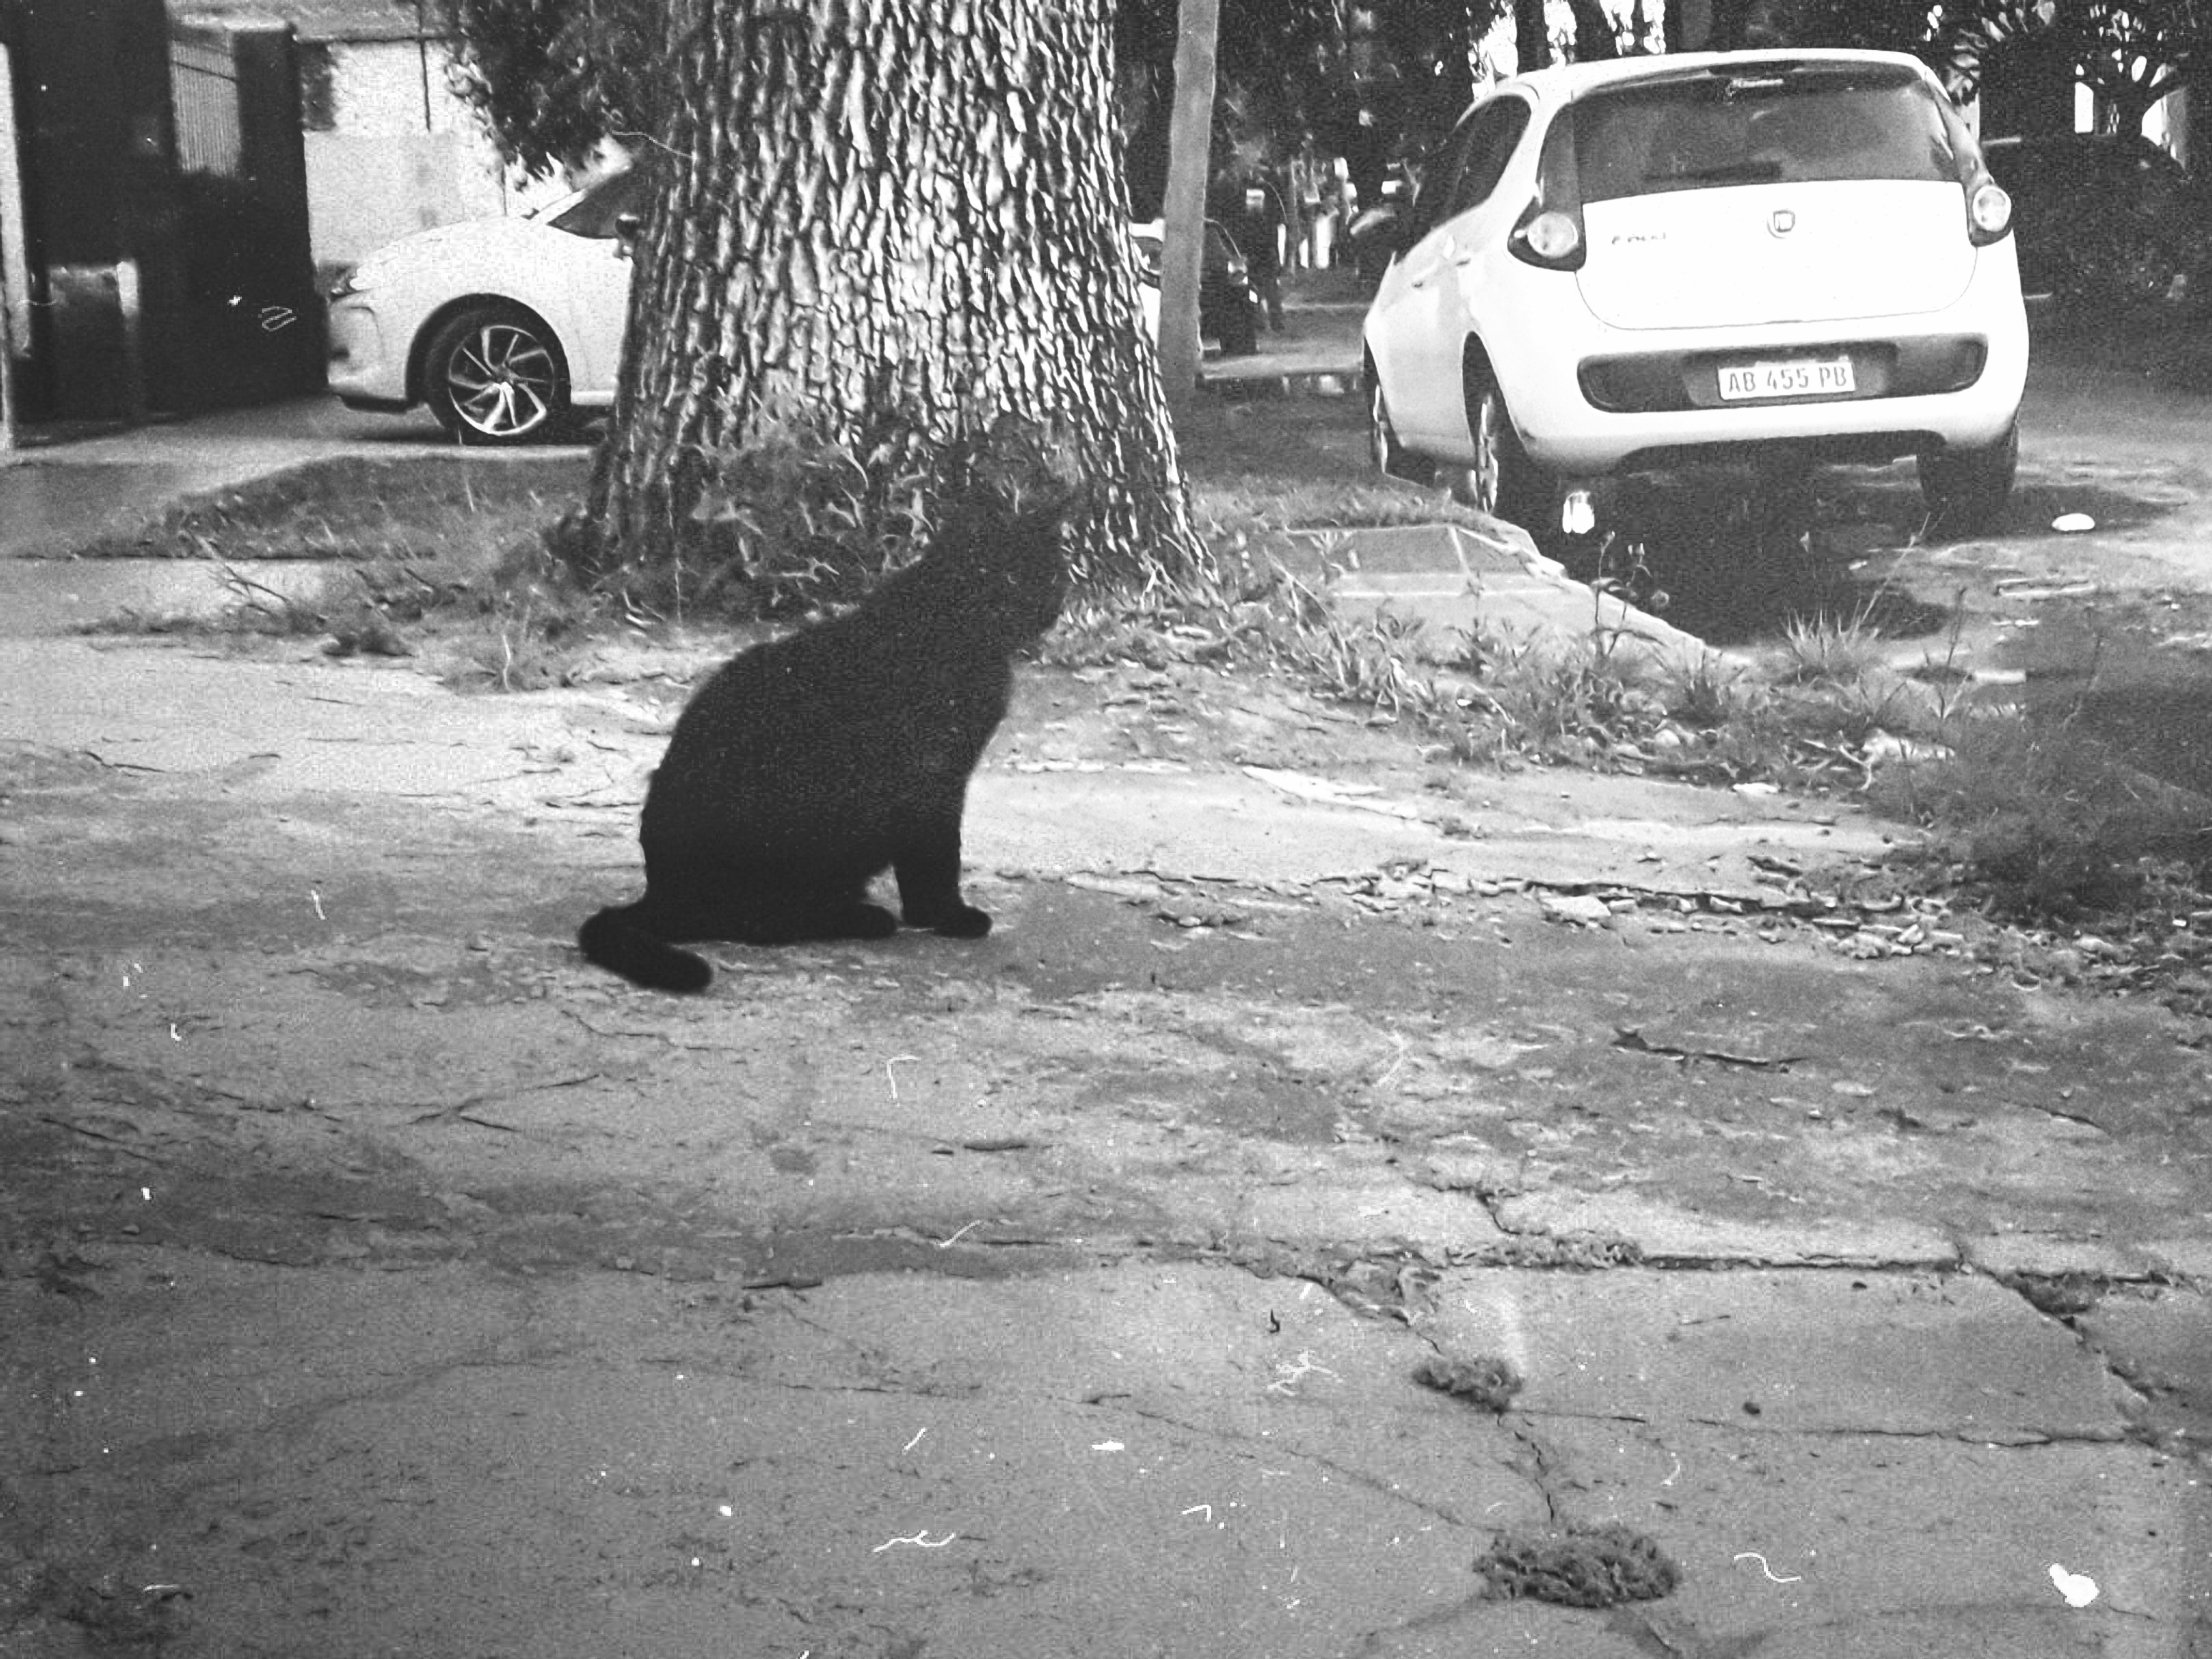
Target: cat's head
(1008, 562)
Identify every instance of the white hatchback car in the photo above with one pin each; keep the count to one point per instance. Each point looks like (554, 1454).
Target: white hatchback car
(1789, 257)
(501, 326)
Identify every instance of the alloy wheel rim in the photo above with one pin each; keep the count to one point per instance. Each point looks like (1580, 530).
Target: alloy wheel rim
(501, 382)
(1485, 454)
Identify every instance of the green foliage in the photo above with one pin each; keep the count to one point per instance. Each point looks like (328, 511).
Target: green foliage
(2046, 818)
(554, 77)
(800, 519)
(1367, 83)
(1877, 25)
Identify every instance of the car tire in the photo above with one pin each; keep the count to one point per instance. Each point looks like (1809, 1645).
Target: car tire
(1966, 489)
(1391, 458)
(1505, 481)
(493, 374)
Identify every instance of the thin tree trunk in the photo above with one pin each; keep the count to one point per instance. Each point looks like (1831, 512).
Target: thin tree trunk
(902, 209)
(1532, 39)
(1593, 36)
(1184, 213)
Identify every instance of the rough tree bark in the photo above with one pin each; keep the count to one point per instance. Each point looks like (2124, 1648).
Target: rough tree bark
(888, 207)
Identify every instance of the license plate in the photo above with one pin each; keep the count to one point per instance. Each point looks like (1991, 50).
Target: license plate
(1792, 377)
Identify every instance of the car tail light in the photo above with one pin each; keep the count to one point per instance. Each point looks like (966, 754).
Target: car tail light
(1989, 211)
(1549, 233)
(1551, 238)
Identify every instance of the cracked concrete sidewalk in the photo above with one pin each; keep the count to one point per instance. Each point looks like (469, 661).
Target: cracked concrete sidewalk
(379, 1278)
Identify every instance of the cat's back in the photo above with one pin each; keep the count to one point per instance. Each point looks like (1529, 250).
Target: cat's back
(932, 642)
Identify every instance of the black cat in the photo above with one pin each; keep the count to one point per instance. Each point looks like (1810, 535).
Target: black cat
(807, 765)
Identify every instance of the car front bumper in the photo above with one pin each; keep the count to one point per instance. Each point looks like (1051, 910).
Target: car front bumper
(363, 374)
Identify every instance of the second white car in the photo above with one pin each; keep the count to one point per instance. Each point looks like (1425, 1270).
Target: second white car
(503, 327)
(1624, 266)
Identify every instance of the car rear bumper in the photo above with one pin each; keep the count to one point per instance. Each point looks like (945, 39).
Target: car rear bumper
(1659, 382)
(1612, 399)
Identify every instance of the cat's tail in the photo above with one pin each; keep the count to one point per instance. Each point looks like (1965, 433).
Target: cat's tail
(617, 938)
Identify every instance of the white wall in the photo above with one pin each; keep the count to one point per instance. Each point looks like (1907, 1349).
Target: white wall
(403, 154)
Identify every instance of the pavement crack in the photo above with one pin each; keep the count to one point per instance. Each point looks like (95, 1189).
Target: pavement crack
(1254, 1451)
(2006, 1439)
(1536, 1461)
(1436, 1617)
(1632, 1038)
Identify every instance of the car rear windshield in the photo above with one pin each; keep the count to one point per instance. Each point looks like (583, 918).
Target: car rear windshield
(1760, 126)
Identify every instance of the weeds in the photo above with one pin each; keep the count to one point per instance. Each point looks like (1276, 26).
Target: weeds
(1825, 650)
(2045, 820)
(798, 520)
(1247, 607)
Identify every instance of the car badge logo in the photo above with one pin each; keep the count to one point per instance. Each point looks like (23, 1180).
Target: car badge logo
(1781, 222)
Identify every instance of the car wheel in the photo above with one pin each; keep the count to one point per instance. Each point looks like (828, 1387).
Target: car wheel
(1505, 481)
(492, 374)
(1391, 458)
(1966, 489)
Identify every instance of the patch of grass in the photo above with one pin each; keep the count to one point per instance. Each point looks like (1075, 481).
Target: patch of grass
(355, 610)
(2047, 822)
(1293, 463)
(527, 624)
(1827, 650)
(365, 511)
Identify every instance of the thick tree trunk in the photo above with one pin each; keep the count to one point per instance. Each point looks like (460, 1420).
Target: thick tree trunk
(889, 209)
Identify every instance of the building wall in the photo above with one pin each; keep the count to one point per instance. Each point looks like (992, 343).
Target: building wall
(391, 150)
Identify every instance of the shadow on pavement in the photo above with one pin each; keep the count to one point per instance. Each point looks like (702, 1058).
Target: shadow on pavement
(1737, 564)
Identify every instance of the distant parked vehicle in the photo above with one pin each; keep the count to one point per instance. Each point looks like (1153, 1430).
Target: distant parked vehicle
(503, 327)
(2102, 216)
(1626, 266)
(1228, 304)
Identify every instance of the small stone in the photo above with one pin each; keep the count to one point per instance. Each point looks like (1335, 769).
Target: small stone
(1576, 908)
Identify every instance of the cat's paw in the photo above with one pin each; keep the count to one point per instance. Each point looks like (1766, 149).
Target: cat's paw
(961, 921)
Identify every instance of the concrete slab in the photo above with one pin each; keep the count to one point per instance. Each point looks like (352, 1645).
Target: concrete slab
(1873, 1547)
(1829, 1352)
(1881, 1466)
(2160, 1341)
(1200, 1463)
(41, 597)
(1454, 578)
